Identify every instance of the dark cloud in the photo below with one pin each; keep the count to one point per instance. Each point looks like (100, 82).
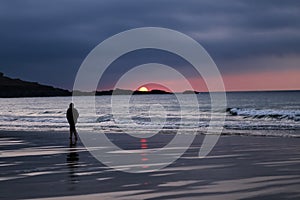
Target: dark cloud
(46, 41)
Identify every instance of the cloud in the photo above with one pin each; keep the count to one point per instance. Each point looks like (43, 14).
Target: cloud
(46, 41)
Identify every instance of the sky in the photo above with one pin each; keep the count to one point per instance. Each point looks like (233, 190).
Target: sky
(255, 44)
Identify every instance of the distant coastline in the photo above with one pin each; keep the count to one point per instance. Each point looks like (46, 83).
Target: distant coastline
(14, 88)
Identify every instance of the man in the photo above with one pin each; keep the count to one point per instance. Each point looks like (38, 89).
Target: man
(72, 116)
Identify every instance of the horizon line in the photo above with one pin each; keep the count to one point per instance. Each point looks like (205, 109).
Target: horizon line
(279, 90)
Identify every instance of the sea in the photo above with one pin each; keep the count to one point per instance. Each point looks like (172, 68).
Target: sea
(267, 114)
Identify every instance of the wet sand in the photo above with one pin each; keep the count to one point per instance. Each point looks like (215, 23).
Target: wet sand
(42, 165)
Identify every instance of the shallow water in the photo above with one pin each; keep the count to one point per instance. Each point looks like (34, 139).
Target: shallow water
(248, 113)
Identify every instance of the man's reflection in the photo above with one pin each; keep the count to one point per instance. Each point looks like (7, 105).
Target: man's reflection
(72, 162)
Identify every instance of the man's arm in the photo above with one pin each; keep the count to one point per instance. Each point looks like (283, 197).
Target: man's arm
(76, 113)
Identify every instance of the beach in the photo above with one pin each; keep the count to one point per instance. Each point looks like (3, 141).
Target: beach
(42, 165)
(166, 100)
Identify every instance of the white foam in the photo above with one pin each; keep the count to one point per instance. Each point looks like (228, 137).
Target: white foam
(266, 113)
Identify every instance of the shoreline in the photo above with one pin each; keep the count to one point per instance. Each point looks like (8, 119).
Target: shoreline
(43, 165)
(241, 133)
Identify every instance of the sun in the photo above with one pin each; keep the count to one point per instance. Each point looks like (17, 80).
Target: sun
(143, 89)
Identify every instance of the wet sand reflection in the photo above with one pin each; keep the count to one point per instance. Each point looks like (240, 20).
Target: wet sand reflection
(72, 162)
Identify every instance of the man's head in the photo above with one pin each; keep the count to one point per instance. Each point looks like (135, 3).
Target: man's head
(71, 105)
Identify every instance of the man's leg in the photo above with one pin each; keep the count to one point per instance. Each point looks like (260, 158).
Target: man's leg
(76, 134)
(70, 133)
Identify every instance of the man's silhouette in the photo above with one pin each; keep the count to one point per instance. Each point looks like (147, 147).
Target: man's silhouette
(72, 116)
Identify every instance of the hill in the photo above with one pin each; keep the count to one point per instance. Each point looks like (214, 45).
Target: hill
(10, 87)
(18, 88)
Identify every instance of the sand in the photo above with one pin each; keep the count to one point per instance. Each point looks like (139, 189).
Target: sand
(42, 165)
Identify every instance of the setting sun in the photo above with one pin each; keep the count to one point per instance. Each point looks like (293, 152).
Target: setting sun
(143, 89)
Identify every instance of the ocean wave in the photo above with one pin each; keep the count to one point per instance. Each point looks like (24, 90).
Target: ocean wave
(104, 118)
(265, 113)
(51, 112)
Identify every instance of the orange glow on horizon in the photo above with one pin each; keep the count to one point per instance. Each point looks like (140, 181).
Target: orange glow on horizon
(285, 79)
(268, 80)
(275, 80)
